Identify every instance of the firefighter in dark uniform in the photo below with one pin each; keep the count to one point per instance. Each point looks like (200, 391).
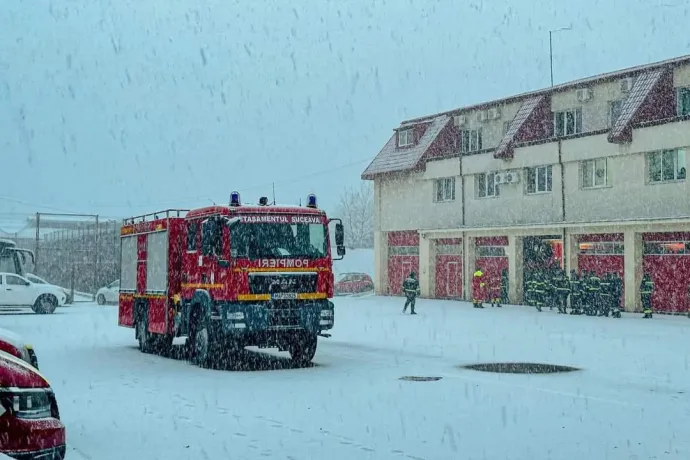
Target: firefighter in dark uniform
(617, 290)
(594, 294)
(540, 290)
(411, 291)
(606, 295)
(529, 290)
(575, 294)
(646, 291)
(560, 288)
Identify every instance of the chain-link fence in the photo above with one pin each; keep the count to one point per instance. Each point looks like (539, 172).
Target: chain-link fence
(76, 252)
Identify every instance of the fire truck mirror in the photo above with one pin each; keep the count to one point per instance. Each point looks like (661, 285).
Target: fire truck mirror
(339, 234)
(341, 251)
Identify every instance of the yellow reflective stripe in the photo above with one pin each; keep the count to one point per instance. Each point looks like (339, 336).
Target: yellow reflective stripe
(311, 296)
(254, 297)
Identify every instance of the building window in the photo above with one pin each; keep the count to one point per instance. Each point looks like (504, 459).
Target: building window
(405, 137)
(487, 186)
(539, 179)
(445, 189)
(602, 248)
(403, 250)
(683, 102)
(470, 140)
(567, 122)
(491, 251)
(615, 109)
(666, 248)
(666, 165)
(594, 173)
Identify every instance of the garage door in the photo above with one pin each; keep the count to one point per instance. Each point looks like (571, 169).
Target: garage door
(666, 257)
(403, 257)
(448, 268)
(601, 254)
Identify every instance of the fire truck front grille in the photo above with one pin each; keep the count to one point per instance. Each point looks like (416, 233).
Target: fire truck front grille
(283, 318)
(266, 283)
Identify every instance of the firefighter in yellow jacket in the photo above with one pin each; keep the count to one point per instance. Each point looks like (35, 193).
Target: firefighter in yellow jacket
(478, 289)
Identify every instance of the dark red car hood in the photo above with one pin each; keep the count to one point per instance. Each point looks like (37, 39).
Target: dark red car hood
(16, 373)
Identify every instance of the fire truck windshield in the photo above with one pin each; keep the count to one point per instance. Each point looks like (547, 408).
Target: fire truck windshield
(261, 240)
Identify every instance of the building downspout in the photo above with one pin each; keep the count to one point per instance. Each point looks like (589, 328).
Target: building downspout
(560, 164)
(462, 193)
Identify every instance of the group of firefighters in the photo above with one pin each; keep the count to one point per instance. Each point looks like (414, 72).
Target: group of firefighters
(589, 293)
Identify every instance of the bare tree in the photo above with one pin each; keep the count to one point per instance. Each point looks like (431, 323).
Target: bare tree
(356, 209)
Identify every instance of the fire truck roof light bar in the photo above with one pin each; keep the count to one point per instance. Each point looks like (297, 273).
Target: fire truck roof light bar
(235, 199)
(311, 201)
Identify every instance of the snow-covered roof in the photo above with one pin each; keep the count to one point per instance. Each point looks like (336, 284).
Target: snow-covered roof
(391, 158)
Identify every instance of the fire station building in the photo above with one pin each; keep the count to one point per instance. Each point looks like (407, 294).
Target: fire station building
(593, 170)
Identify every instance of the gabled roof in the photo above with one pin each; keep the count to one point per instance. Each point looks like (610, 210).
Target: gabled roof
(504, 149)
(391, 158)
(568, 86)
(645, 83)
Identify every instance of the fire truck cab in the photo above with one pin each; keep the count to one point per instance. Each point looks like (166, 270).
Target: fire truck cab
(226, 277)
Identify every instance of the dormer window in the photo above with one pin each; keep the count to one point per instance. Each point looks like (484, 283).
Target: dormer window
(405, 137)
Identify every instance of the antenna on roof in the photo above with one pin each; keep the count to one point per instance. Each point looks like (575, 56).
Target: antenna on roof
(274, 193)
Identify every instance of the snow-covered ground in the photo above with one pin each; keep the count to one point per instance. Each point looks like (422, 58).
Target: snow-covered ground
(630, 401)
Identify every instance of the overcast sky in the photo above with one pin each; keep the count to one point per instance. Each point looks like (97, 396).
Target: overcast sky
(120, 107)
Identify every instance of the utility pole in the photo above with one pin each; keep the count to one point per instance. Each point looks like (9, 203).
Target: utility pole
(551, 48)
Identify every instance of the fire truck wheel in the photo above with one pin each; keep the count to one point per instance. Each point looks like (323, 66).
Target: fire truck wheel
(302, 351)
(144, 337)
(45, 304)
(203, 346)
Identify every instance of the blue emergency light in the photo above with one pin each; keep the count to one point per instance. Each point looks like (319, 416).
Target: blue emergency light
(235, 199)
(311, 201)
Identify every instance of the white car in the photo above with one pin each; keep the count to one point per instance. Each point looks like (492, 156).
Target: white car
(109, 293)
(38, 280)
(17, 291)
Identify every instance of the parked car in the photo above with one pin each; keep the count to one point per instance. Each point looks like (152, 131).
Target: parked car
(109, 293)
(30, 426)
(17, 291)
(12, 343)
(38, 280)
(353, 283)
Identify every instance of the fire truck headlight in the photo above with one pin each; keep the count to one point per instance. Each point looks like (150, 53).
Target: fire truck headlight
(236, 316)
(327, 313)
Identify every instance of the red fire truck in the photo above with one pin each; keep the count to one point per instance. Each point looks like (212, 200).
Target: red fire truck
(227, 277)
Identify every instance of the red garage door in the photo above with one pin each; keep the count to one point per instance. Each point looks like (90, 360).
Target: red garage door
(667, 260)
(403, 257)
(449, 268)
(601, 254)
(491, 257)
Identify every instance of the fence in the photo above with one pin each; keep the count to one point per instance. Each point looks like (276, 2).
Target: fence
(75, 251)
